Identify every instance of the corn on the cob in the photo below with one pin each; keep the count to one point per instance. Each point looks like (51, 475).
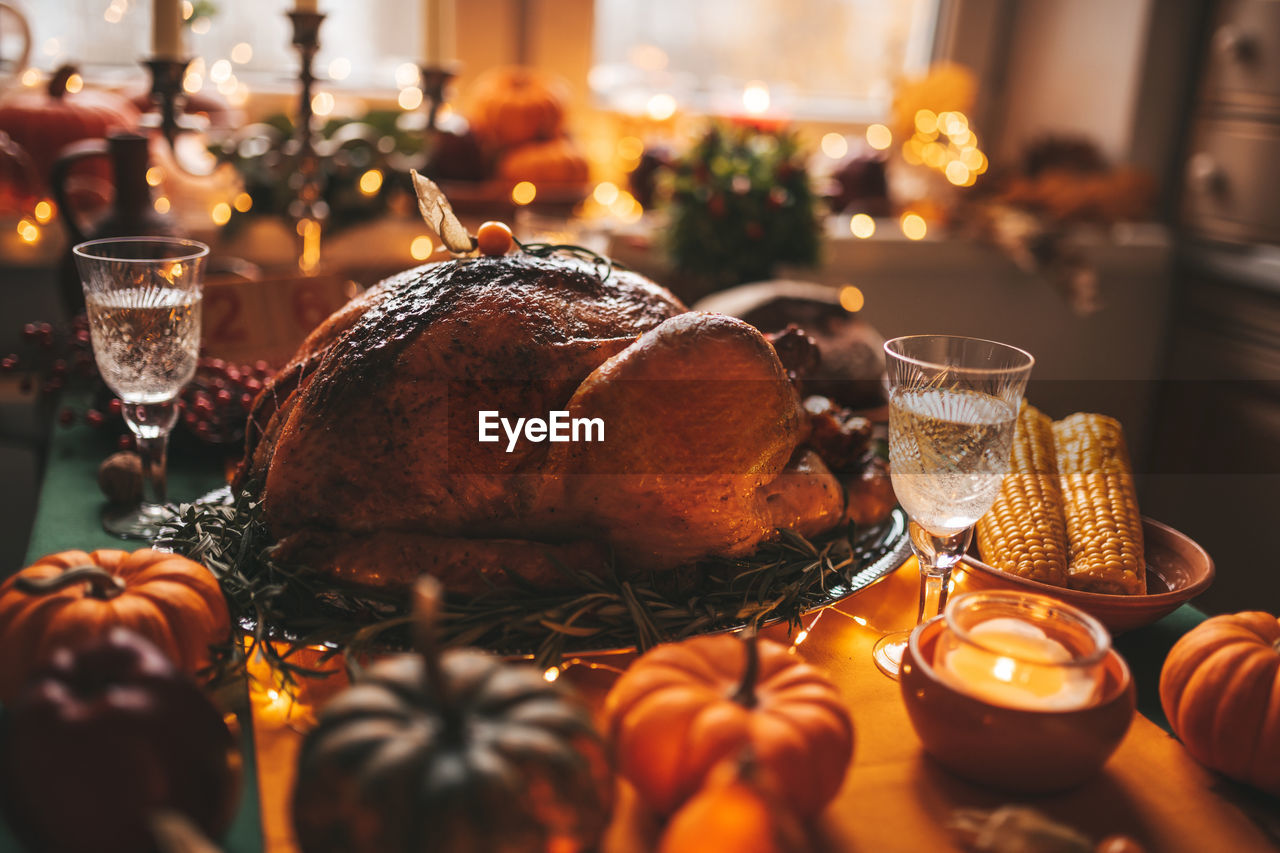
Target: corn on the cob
(1024, 533)
(1104, 527)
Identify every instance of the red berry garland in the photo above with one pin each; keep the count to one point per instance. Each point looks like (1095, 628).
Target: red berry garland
(214, 405)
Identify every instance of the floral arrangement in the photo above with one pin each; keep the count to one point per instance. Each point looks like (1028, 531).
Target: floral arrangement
(740, 204)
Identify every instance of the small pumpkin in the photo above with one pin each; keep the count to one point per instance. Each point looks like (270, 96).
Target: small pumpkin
(737, 811)
(447, 751)
(684, 707)
(45, 122)
(557, 161)
(72, 597)
(510, 105)
(1220, 689)
(104, 738)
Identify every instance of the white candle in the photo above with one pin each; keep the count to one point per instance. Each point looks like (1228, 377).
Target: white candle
(166, 29)
(439, 31)
(304, 5)
(1015, 664)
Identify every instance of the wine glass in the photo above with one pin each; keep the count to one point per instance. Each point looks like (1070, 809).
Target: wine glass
(953, 402)
(143, 299)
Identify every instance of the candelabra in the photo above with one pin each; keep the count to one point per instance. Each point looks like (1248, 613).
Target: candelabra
(168, 95)
(308, 210)
(435, 79)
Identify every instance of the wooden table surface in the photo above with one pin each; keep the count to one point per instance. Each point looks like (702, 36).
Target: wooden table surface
(894, 798)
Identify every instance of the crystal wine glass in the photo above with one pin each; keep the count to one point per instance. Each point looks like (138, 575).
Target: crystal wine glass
(953, 402)
(143, 299)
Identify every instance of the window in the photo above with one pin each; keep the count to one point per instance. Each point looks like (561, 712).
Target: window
(362, 42)
(826, 60)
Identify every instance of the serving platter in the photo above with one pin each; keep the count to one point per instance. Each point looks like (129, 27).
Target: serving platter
(782, 581)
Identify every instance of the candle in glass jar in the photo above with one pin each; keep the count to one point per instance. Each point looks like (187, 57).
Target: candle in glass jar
(1014, 663)
(166, 29)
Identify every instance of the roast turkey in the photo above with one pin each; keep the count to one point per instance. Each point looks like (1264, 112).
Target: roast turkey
(365, 449)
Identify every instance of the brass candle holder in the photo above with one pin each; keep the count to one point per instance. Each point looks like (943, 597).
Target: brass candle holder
(307, 210)
(168, 95)
(435, 80)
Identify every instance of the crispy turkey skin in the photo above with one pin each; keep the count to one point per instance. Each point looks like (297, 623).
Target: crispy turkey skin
(366, 453)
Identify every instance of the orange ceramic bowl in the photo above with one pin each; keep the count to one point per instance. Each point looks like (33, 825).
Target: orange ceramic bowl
(1178, 570)
(1012, 749)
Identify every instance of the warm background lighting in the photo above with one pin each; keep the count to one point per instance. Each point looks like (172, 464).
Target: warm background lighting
(661, 107)
(421, 247)
(755, 98)
(322, 103)
(851, 299)
(835, 146)
(879, 137)
(862, 226)
(410, 98)
(523, 192)
(371, 182)
(605, 193)
(913, 226)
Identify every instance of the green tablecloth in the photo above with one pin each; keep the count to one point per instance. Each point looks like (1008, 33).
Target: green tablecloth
(67, 517)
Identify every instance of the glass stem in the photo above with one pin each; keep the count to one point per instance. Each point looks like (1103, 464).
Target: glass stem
(937, 554)
(150, 424)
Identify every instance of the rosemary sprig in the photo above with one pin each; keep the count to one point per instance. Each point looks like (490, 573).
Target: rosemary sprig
(284, 608)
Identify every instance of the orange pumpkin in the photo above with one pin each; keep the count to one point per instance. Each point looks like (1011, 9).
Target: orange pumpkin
(555, 162)
(72, 598)
(1220, 688)
(513, 104)
(42, 123)
(736, 812)
(684, 707)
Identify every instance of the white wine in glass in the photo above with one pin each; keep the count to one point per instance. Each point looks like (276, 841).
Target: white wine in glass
(143, 298)
(953, 402)
(950, 450)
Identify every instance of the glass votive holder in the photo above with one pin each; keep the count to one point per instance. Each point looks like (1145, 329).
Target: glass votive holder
(1022, 650)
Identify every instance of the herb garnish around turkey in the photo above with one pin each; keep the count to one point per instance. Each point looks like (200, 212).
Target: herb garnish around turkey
(286, 608)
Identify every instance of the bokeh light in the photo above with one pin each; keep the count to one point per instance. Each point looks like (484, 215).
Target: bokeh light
(914, 226)
(834, 145)
(371, 182)
(862, 226)
(661, 107)
(410, 98)
(421, 247)
(755, 98)
(879, 137)
(851, 299)
(523, 192)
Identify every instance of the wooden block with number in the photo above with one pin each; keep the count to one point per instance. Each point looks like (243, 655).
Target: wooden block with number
(247, 321)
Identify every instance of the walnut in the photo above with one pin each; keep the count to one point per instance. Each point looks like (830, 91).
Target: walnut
(120, 478)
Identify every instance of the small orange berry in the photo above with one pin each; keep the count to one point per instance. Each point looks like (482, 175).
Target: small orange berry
(494, 239)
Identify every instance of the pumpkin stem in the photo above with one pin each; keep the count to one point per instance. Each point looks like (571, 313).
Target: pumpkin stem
(745, 695)
(102, 584)
(58, 82)
(427, 595)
